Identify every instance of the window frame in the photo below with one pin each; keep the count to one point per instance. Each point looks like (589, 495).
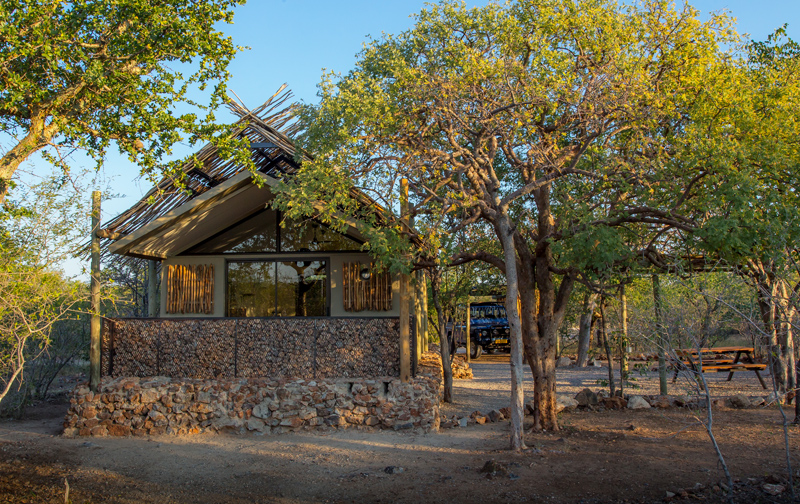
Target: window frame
(273, 259)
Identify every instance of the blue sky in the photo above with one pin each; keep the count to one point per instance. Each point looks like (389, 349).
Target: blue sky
(291, 41)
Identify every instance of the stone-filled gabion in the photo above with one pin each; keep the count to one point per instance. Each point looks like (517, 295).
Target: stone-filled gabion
(161, 405)
(279, 347)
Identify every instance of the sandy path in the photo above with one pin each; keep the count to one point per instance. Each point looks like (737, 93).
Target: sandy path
(490, 388)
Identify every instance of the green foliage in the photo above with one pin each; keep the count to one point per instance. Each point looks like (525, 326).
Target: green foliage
(86, 73)
(745, 140)
(484, 108)
(42, 228)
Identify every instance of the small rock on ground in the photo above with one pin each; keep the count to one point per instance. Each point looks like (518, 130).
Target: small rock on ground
(638, 402)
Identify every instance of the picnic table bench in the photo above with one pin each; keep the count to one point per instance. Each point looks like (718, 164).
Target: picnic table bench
(719, 359)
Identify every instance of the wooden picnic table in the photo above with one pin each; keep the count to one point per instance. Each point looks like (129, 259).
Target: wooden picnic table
(719, 359)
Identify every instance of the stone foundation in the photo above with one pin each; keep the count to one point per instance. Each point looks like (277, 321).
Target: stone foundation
(161, 405)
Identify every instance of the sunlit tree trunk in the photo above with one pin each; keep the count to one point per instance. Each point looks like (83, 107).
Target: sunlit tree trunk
(515, 329)
(444, 344)
(551, 304)
(607, 345)
(623, 339)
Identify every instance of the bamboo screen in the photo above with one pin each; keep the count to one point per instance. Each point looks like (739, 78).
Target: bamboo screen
(190, 288)
(374, 294)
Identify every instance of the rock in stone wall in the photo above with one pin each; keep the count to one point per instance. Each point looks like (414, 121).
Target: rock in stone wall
(161, 405)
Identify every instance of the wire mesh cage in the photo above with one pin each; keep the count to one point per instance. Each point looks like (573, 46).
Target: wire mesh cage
(290, 347)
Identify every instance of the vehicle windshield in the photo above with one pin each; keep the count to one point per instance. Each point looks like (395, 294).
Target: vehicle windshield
(488, 312)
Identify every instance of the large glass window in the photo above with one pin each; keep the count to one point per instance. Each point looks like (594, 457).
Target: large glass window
(277, 288)
(313, 237)
(262, 233)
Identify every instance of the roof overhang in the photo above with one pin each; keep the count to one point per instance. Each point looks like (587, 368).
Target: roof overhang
(202, 217)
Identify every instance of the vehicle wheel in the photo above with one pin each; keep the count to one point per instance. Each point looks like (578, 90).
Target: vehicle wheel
(475, 351)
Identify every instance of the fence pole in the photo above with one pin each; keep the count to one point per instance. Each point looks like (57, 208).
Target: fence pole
(94, 327)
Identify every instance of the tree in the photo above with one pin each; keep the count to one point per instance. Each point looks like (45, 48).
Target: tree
(85, 73)
(750, 208)
(38, 232)
(127, 279)
(586, 326)
(544, 119)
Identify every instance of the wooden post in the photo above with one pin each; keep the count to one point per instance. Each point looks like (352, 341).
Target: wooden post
(94, 327)
(405, 316)
(152, 290)
(424, 312)
(660, 336)
(419, 315)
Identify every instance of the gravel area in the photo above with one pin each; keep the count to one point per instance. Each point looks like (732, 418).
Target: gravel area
(490, 388)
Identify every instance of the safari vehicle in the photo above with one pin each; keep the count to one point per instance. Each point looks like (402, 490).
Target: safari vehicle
(488, 330)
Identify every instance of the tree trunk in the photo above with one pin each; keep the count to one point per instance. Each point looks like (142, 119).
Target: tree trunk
(39, 135)
(623, 340)
(444, 344)
(607, 345)
(585, 329)
(547, 379)
(550, 307)
(515, 329)
(796, 399)
(661, 340)
(786, 341)
(529, 307)
(777, 330)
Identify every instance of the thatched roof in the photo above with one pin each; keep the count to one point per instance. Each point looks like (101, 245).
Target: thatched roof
(268, 129)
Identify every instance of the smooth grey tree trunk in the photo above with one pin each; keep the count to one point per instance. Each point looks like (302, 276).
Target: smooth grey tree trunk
(444, 344)
(585, 329)
(515, 330)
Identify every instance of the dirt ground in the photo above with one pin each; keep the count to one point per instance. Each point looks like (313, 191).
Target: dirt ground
(600, 456)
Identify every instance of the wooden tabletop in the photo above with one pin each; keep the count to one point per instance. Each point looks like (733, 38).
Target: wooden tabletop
(729, 349)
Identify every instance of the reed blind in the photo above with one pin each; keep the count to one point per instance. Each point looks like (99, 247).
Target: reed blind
(374, 294)
(190, 288)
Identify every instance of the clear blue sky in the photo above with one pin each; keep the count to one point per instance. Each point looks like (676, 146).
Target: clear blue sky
(291, 41)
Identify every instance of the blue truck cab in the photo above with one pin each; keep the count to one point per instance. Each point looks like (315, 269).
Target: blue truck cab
(488, 330)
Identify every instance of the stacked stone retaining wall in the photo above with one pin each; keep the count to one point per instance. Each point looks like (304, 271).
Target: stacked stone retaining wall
(161, 405)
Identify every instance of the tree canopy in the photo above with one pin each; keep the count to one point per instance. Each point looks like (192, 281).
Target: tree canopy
(88, 73)
(553, 122)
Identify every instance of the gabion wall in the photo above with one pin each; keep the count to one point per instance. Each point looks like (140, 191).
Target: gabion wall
(292, 347)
